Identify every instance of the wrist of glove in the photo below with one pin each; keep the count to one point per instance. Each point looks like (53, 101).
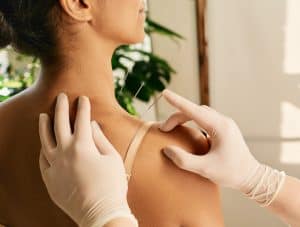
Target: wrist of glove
(263, 184)
(107, 210)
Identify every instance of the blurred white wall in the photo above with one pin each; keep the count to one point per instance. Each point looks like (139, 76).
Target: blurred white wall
(254, 54)
(180, 16)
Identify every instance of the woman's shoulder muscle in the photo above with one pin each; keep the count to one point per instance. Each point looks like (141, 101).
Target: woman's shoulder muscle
(170, 192)
(12, 112)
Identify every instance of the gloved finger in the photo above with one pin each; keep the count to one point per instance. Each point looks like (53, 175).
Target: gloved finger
(187, 161)
(101, 141)
(174, 120)
(46, 138)
(43, 163)
(203, 116)
(82, 128)
(62, 126)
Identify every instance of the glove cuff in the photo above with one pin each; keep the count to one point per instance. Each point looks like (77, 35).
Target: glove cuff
(101, 221)
(105, 211)
(264, 185)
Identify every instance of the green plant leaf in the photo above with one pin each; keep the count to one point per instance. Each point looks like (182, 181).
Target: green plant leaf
(153, 27)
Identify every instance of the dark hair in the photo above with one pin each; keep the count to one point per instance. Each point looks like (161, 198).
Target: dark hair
(29, 26)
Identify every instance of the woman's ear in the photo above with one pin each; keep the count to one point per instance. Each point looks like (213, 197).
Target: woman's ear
(80, 10)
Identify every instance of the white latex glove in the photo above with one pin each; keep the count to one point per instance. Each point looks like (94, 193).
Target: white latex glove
(83, 172)
(229, 162)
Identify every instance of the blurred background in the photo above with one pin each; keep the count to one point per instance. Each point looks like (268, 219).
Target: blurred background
(240, 57)
(253, 54)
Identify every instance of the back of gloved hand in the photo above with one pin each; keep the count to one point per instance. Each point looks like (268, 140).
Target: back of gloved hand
(83, 173)
(229, 162)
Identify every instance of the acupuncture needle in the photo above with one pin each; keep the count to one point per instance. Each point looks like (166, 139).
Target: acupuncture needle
(138, 91)
(150, 107)
(154, 102)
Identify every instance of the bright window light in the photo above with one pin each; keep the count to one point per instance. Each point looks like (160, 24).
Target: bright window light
(290, 153)
(292, 37)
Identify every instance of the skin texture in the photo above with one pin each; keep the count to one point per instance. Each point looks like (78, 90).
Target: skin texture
(159, 193)
(286, 206)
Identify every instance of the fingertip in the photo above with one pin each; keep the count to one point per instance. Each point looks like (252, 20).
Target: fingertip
(42, 125)
(170, 93)
(164, 92)
(168, 152)
(167, 127)
(82, 125)
(162, 127)
(84, 98)
(79, 102)
(62, 96)
(84, 103)
(43, 117)
(175, 120)
(62, 103)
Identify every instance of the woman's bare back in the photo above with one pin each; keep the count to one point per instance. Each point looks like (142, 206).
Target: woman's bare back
(160, 195)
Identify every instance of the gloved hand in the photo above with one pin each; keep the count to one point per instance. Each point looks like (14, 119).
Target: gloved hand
(83, 172)
(229, 162)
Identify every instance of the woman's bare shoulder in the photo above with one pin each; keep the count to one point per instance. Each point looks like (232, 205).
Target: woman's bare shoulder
(191, 197)
(15, 103)
(13, 115)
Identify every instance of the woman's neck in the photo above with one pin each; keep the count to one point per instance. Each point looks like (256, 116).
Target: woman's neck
(86, 71)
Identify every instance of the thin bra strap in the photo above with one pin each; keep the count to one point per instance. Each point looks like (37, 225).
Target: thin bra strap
(133, 147)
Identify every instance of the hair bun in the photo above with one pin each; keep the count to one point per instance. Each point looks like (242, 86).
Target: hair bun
(6, 32)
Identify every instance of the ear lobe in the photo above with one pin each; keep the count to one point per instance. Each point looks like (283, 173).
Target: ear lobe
(79, 10)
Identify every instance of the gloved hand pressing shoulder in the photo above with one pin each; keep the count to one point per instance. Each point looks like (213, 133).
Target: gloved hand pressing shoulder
(229, 162)
(83, 173)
